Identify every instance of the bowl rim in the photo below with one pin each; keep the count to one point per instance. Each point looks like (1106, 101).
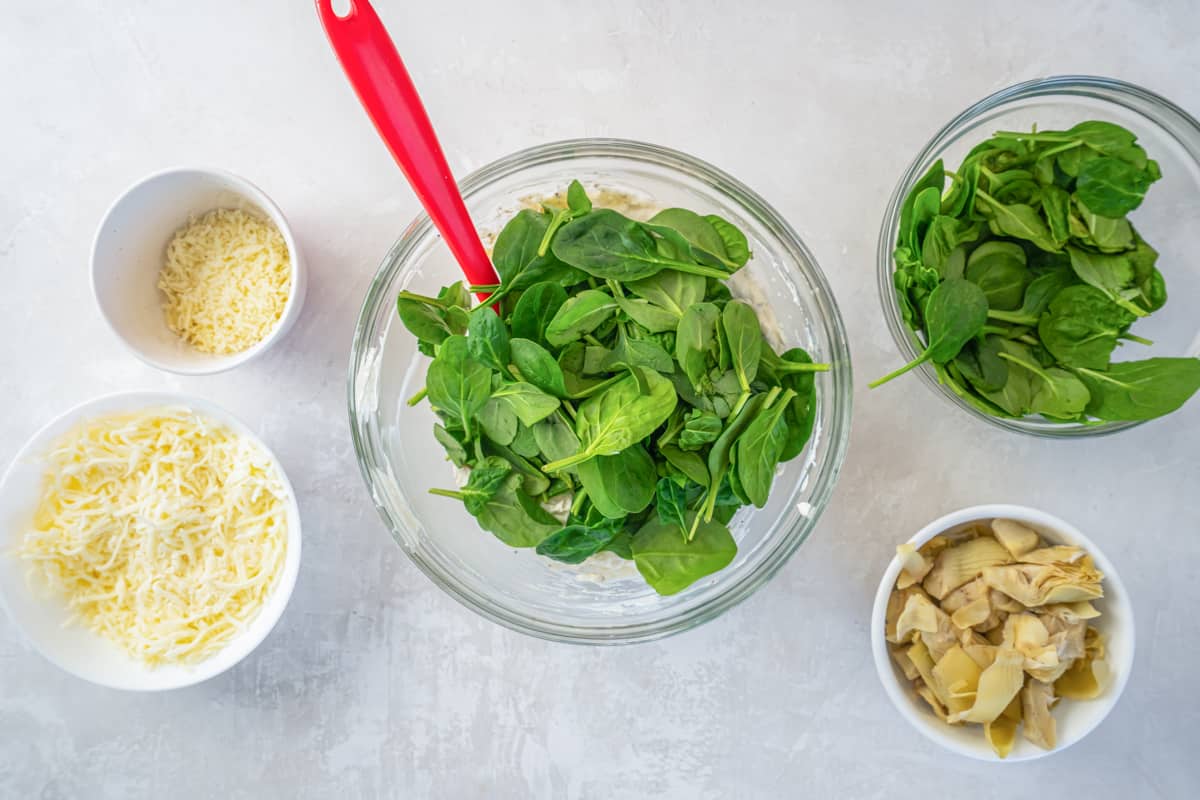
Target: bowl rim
(277, 601)
(903, 699)
(905, 339)
(296, 292)
(840, 375)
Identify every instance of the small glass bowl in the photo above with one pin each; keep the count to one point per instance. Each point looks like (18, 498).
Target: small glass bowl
(1168, 219)
(400, 459)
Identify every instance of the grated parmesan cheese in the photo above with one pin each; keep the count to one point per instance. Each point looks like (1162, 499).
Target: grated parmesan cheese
(163, 530)
(225, 281)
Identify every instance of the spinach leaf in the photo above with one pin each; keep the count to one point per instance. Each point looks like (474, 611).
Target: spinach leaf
(760, 447)
(1056, 203)
(1054, 392)
(998, 268)
(695, 340)
(538, 367)
(514, 517)
(487, 478)
(637, 353)
(423, 319)
(1111, 274)
(801, 412)
(487, 341)
(579, 315)
(1140, 390)
(1111, 187)
(737, 248)
(934, 178)
(614, 419)
(555, 437)
(457, 384)
(670, 564)
(699, 428)
(577, 199)
(1038, 294)
(619, 484)
(515, 256)
(648, 315)
(529, 403)
(576, 543)
(1106, 233)
(955, 314)
(1082, 327)
(1019, 221)
(608, 245)
(672, 291)
(535, 309)
(742, 331)
(981, 364)
(671, 504)
(454, 448)
(687, 462)
(498, 422)
(704, 243)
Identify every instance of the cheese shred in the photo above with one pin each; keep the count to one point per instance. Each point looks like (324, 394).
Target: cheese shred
(163, 530)
(225, 281)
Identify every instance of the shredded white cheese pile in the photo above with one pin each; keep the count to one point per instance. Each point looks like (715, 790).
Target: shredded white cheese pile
(162, 530)
(225, 281)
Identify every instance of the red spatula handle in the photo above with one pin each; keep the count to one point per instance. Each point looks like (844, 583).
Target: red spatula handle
(387, 93)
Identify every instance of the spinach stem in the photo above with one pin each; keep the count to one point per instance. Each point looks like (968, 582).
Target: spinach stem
(1138, 339)
(555, 223)
(484, 287)
(570, 408)
(418, 397)
(897, 373)
(577, 503)
(448, 493)
(592, 340)
(1015, 317)
(800, 366)
(1029, 340)
(420, 298)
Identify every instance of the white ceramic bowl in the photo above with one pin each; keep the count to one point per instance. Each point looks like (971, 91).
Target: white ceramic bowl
(76, 649)
(130, 247)
(1075, 718)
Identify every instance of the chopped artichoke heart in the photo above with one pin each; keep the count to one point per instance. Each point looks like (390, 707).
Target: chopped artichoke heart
(961, 563)
(1079, 682)
(989, 624)
(1039, 727)
(1016, 538)
(998, 685)
(1040, 584)
(1058, 554)
(913, 566)
(974, 613)
(918, 615)
(1001, 733)
(955, 680)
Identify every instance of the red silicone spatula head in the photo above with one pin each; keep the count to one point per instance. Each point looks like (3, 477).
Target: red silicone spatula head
(387, 93)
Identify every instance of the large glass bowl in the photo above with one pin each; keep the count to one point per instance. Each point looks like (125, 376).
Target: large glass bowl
(1169, 219)
(400, 459)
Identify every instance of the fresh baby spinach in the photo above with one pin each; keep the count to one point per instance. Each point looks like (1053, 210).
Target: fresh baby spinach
(616, 375)
(1034, 224)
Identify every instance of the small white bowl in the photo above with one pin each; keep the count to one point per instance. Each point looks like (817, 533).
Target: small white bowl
(1075, 718)
(75, 649)
(130, 247)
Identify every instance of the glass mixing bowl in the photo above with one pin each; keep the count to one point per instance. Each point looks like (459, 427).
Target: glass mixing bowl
(1168, 219)
(400, 459)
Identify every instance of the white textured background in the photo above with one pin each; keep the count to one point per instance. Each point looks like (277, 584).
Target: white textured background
(375, 684)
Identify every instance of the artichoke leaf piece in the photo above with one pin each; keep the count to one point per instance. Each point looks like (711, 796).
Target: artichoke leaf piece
(974, 613)
(1041, 584)
(919, 615)
(1079, 682)
(963, 562)
(896, 602)
(1039, 727)
(1001, 733)
(998, 685)
(926, 694)
(913, 566)
(1026, 634)
(904, 663)
(1016, 538)
(955, 680)
(1057, 554)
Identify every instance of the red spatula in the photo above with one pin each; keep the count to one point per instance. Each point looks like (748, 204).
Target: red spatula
(387, 93)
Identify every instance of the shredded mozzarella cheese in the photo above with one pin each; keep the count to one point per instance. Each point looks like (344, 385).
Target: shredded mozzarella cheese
(225, 281)
(163, 530)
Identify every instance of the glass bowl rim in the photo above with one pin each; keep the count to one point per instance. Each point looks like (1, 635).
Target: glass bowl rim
(829, 320)
(1083, 85)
